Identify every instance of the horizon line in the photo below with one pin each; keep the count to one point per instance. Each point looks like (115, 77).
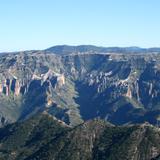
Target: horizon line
(70, 45)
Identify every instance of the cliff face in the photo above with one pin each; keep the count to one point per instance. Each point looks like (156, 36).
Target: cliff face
(26, 85)
(121, 88)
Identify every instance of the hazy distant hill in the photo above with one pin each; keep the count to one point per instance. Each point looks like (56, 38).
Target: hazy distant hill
(65, 49)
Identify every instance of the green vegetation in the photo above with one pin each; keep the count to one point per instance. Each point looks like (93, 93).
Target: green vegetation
(45, 138)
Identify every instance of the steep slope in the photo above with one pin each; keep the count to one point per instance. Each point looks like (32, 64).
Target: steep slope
(139, 142)
(34, 82)
(119, 87)
(21, 139)
(42, 137)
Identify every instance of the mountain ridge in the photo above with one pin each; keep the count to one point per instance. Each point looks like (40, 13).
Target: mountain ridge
(42, 137)
(67, 49)
(63, 49)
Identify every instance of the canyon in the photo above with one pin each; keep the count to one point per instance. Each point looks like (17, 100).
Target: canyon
(79, 85)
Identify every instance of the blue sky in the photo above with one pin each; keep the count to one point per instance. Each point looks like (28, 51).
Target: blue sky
(38, 24)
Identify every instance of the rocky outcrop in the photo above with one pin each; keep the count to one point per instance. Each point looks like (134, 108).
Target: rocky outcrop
(129, 93)
(18, 86)
(83, 85)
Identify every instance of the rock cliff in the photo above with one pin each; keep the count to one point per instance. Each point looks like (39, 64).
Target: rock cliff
(81, 85)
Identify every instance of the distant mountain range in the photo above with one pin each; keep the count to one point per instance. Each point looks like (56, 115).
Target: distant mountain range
(68, 49)
(65, 49)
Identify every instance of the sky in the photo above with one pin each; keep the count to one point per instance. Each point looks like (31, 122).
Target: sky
(39, 24)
